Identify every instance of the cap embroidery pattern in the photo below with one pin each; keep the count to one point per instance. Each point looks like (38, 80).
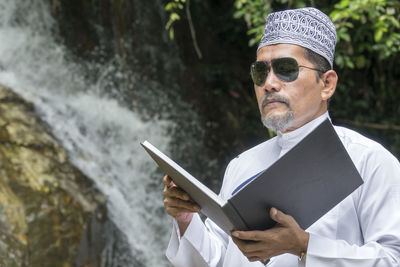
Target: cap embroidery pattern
(307, 27)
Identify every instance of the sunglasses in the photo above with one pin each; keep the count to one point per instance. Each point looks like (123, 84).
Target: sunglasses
(285, 68)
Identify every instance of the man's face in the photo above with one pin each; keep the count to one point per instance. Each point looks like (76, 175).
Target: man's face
(287, 106)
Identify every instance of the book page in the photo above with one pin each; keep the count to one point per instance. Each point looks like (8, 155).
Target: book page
(181, 177)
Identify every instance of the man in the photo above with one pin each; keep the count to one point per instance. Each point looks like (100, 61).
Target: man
(293, 81)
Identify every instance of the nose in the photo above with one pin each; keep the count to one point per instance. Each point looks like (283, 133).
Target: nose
(272, 82)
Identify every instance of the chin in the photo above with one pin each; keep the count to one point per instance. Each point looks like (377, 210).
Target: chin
(278, 122)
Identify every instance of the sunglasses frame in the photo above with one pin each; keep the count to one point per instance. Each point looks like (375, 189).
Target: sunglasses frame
(285, 77)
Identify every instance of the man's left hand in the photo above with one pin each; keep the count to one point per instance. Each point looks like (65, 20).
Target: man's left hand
(285, 237)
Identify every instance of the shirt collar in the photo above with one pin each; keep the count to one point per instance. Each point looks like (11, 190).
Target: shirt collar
(290, 139)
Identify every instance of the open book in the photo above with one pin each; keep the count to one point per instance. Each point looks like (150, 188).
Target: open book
(307, 182)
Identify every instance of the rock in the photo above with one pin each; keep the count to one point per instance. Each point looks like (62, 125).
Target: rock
(45, 202)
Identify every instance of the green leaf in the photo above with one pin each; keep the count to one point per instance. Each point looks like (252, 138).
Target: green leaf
(169, 6)
(349, 62)
(238, 4)
(395, 22)
(390, 11)
(344, 3)
(255, 30)
(339, 61)
(360, 62)
(174, 16)
(169, 23)
(378, 34)
(335, 15)
(345, 36)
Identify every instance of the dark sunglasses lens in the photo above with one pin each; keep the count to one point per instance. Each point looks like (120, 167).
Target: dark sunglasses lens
(286, 69)
(259, 71)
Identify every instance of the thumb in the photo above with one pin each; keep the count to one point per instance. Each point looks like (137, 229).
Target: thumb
(280, 217)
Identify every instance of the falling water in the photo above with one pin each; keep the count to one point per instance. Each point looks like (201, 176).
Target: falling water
(98, 128)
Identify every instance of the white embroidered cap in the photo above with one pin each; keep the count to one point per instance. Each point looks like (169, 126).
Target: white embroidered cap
(307, 27)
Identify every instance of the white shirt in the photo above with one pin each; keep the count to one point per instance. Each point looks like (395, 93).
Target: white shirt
(361, 231)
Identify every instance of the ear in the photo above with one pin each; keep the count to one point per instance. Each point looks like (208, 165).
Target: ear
(329, 80)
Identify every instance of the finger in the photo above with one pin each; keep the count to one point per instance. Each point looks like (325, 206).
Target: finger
(178, 203)
(257, 250)
(176, 192)
(168, 181)
(257, 255)
(252, 249)
(252, 259)
(240, 244)
(181, 204)
(175, 212)
(246, 247)
(282, 218)
(249, 235)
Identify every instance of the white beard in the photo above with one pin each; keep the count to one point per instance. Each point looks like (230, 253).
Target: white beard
(278, 123)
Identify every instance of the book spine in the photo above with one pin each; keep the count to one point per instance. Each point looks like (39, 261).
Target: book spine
(235, 218)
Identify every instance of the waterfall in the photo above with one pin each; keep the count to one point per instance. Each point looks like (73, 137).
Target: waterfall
(93, 120)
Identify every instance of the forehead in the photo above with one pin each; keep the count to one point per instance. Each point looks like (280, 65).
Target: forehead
(270, 52)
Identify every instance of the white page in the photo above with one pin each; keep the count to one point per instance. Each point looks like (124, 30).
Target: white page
(157, 155)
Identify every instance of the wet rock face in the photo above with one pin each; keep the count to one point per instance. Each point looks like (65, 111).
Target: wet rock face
(45, 202)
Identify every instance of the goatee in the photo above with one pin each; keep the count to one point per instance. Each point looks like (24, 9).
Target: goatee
(277, 123)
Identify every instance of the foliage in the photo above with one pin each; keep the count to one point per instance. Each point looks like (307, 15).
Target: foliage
(359, 24)
(255, 12)
(367, 52)
(173, 7)
(363, 26)
(366, 27)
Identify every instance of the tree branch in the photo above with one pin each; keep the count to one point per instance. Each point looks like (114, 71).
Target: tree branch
(192, 30)
(370, 125)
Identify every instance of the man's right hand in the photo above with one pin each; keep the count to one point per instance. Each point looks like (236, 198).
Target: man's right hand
(178, 204)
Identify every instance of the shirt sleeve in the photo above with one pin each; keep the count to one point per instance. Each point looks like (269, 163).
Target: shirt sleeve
(201, 245)
(377, 205)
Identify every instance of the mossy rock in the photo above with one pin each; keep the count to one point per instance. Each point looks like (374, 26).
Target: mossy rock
(47, 206)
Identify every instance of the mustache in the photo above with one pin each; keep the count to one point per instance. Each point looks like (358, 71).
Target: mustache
(274, 97)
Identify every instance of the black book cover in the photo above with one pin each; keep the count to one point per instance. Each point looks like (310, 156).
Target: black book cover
(307, 182)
